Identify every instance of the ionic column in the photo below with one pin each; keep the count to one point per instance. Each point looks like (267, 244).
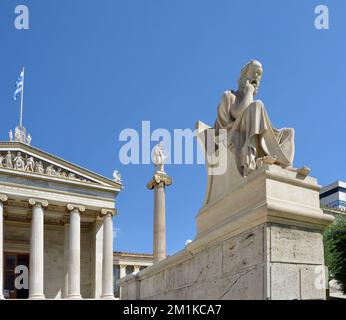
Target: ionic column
(3, 198)
(66, 222)
(74, 252)
(36, 268)
(107, 260)
(158, 183)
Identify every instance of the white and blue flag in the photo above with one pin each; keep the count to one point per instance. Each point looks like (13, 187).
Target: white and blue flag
(19, 85)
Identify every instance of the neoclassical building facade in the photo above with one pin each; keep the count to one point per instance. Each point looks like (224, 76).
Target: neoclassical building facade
(56, 222)
(125, 263)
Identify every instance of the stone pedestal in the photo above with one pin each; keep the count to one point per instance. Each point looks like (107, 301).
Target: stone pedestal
(158, 183)
(261, 239)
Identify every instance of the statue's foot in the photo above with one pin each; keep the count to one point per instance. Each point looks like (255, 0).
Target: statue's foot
(265, 160)
(303, 171)
(269, 159)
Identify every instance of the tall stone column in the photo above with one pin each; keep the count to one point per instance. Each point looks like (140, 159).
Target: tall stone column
(3, 198)
(36, 269)
(107, 263)
(74, 251)
(66, 222)
(158, 184)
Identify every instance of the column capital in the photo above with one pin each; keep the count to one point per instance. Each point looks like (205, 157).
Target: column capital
(158, 178)
(105, 212)
(34, 202)
(71, 207)
(3, 197)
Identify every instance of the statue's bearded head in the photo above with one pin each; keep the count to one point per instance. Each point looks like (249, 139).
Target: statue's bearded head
(251, 72)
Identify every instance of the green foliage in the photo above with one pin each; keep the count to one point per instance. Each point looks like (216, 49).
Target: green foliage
(335, 250)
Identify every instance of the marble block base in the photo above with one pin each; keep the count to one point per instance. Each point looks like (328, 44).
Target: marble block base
(261, 240)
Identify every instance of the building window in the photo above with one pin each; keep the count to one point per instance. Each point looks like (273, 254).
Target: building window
(129, 269)
(116, 275)
(142, 268)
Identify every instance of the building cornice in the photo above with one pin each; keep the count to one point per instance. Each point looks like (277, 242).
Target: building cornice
(18, 146)
(132, 254)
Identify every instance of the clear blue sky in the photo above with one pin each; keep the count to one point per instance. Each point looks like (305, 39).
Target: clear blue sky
(94, 68)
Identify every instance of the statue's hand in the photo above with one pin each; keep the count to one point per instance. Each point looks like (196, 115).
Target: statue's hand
(249, 88)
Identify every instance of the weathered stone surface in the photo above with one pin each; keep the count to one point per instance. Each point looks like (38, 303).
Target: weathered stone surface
(177, 294)
(241, 286)
(284, 282)
(163, 281)
(125, 295)
(313, 282)
(240, 268)
(180, 276)
(295, 245)
(146, 288)
(205, 265)
(132, 290)
(231, 287)
(243, 251)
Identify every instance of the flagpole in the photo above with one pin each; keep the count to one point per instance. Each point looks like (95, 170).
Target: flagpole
(22, 101)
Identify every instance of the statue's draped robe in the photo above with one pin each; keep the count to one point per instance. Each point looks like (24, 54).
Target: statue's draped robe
(252, 135)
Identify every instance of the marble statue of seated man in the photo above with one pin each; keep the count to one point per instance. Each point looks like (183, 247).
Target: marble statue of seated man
(250, 134)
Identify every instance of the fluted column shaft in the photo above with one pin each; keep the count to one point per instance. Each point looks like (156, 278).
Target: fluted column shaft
(74, 253)
(66, 255)
(107, 264)
(3, 198)
(36, 269)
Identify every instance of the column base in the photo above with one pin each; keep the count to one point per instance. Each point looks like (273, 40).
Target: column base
(37, 297)
(108, 297)
(2, 297)
(75, 297)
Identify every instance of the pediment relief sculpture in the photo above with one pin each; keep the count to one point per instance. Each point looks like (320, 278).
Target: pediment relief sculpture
(27, 163)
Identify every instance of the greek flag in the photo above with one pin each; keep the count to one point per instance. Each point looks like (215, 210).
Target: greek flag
(19, 85)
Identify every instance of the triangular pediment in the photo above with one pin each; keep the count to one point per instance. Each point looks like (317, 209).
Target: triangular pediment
(22, 159)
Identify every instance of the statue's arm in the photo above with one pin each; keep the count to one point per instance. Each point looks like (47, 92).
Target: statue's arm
(224, 112)
(239, 107)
